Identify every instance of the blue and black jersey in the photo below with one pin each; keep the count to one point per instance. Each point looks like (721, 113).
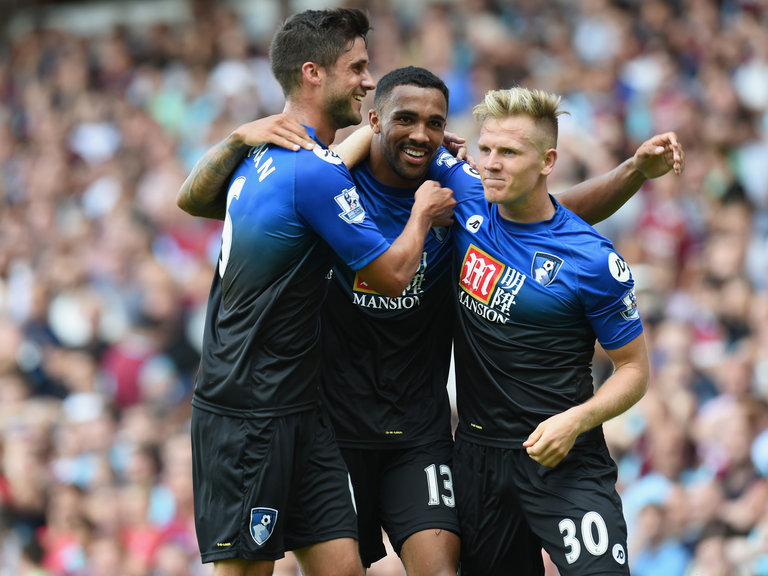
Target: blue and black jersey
(532, 299)
(386, 360)
(287, 212)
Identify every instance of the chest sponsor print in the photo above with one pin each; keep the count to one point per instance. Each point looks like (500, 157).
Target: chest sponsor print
(361, 285)
(489, 281)
(365, 296)
(480, 272)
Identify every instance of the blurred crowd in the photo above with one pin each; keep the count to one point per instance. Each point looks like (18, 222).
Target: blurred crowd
(104, 281)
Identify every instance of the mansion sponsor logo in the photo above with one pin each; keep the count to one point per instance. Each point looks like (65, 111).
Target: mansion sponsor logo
(367, 297)
(489, 287)
(481, 309)
(379, 302)
(480, 274)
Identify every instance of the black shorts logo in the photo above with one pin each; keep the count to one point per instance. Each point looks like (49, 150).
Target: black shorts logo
(263, 522)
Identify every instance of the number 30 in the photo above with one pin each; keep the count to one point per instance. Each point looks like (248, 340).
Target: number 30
(591, 520)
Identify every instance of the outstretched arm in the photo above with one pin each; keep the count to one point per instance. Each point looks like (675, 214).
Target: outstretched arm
(599, 197)
(204, 192)
(555, 436)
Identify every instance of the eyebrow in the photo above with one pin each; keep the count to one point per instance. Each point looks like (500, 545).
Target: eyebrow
(414, 113)
(358, 62)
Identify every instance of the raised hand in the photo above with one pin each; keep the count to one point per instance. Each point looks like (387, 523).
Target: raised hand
(660, 154)
(457, 146)
(435, 202)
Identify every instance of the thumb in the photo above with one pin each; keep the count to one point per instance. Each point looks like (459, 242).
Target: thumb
(531, 440)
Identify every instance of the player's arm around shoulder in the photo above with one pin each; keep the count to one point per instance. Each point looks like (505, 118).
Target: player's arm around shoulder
(204, 192)
(356, 147)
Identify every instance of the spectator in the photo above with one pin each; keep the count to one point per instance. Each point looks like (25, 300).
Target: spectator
(96, 125)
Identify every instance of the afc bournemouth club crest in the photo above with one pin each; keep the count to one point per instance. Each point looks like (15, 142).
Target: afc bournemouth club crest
(544, 267)
(262, 524)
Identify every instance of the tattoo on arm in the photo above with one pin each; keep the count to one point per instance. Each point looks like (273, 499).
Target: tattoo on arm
(204, 192)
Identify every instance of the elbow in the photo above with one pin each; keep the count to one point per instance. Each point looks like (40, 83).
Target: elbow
(182, 201)
(397, 283)
(642, 385)
(388, 276)
(392, 287)
(185, 201)
(642, 388)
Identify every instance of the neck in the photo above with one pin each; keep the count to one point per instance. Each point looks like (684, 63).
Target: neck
(311, 115)
(537, 208)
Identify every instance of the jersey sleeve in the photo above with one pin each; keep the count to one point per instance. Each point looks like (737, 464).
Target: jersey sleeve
(457, 175)
(327, 200)
(608, 294)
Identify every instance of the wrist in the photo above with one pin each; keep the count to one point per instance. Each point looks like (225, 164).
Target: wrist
(583, 417)
(635, 175)
(236, 139)
(423, 220)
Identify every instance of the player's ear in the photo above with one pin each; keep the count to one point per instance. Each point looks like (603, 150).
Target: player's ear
(375, 121)
(548, 162)
(313, 73)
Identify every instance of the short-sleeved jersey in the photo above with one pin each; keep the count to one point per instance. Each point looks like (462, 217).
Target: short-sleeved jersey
(286, 212)
(532, 299)
(386, 360)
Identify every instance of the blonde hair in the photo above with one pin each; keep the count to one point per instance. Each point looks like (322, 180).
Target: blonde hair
(539, 105)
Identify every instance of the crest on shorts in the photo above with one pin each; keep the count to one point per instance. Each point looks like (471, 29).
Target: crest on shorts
(262, 524)
(545, 267)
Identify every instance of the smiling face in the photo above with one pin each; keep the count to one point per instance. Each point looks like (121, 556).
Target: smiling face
(410, 126)
(348, 81)
(514, 163)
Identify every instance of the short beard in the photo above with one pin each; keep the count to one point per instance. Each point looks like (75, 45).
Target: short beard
(405, 172)
(341, 112)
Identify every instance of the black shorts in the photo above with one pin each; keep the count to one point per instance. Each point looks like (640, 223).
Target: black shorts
(510, 506)
(264, 486)
(403, 491)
